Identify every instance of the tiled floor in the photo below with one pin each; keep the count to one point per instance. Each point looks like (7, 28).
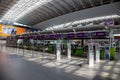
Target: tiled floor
(15, 66)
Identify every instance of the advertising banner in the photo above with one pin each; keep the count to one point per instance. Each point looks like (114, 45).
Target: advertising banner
(10, 30)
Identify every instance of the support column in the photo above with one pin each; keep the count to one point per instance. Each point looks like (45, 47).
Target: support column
(91, 55)
(69, 50)
(108, 55)
(58, 51)
(97, 49)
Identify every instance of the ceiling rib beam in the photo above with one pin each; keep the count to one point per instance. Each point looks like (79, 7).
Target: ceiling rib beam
(56, 7)
(47, 12)
(68, 4)
(43, 13)
(80, 1)
(61, 6)
(112, 1)
(51, 10)
(91, 3)
(40, 16)
(78, 4)
(74, 5)
(36, 18)
(101, 2)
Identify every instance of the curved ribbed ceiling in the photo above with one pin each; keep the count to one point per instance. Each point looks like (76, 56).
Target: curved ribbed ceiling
(31, 12)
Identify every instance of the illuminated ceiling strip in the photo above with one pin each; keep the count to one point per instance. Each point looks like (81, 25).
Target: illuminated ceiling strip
(22, 8)
(85, 20)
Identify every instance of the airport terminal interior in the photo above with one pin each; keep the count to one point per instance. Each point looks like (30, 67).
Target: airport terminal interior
(59, 39)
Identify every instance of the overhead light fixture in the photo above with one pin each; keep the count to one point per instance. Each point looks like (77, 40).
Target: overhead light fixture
(84, 20)
(22, 8)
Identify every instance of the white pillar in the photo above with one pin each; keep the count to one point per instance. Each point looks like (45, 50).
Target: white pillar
(91, 55)
(58, 51)
(69, 50)
(97, 49)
